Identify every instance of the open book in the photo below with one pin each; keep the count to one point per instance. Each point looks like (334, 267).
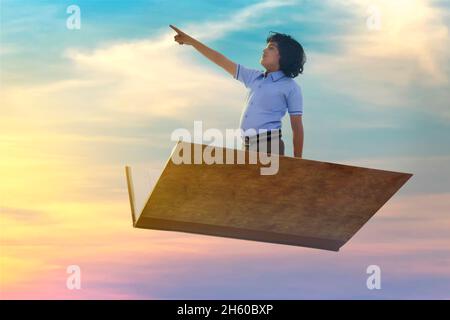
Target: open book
(306, 203)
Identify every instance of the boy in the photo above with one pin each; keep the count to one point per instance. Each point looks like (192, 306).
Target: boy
(270, 93)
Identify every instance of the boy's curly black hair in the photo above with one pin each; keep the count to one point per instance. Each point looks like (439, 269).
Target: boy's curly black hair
(292, 55)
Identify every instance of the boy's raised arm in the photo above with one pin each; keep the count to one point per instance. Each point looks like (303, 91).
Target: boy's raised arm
(214, 56)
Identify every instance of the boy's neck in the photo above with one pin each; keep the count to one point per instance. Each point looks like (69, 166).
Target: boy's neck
(269, 71)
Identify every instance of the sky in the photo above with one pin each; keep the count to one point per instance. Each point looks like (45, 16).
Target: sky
(77, 105)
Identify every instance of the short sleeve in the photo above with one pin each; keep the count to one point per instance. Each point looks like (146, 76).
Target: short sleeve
(246, 75)
(295, 100)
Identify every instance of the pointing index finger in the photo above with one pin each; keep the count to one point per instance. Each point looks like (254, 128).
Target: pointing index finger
(176, 29)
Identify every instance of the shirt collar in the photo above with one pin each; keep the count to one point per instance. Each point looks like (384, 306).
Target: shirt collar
(275, 75)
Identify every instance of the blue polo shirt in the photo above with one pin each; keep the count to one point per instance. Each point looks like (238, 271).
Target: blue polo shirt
(269, 96)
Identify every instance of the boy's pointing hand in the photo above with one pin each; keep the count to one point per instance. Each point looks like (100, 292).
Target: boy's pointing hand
(181, 37)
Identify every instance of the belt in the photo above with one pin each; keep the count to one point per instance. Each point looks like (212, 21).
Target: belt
(267, 134)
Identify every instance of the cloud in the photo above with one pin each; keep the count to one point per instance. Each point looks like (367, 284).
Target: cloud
(8, 49)
(391, 67)
(248, 17)
(22, 215)
(156, 79)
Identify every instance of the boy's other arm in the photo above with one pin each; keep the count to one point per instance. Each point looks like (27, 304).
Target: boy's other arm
(213, 55)
(297, 134)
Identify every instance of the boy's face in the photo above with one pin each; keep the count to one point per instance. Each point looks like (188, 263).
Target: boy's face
(271, 57)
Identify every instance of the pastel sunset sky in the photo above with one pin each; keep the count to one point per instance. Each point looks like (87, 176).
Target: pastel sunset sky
(76, 106)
